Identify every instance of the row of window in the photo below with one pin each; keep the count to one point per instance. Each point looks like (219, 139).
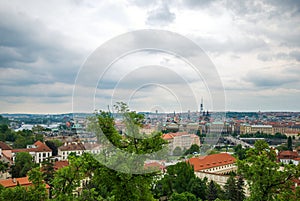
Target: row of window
(218, 168)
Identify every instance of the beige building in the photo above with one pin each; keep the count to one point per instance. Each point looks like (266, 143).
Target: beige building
(268, 129)
(70, 147)
(222, 163)
(216, 167)
(183, 140)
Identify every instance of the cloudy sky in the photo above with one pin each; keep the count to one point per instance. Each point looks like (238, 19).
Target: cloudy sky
(44, 46)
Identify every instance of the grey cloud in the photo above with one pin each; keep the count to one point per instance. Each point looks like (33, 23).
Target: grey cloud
(244, 7)
(292, 6)
(272, 7)
(269, 79)
(282, 56)
(143, 3)
(264, 57)
(241, 45)
(161, 16)
(27, 44)
(270, 19)
(293, 55)
(56, 90)
(198, 3)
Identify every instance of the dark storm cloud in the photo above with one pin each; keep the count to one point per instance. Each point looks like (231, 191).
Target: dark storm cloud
(161, 16)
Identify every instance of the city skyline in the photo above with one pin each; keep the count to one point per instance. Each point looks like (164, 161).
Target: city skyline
(254, 46)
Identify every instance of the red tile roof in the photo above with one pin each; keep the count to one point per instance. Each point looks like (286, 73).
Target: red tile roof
(4, 146)
(172, 135)
(287, 155)
(23, 181)
(60, 164)
(210, 161)
(167, 136)
(40, 147)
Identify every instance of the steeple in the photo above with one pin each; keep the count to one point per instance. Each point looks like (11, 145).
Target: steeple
(201, 106)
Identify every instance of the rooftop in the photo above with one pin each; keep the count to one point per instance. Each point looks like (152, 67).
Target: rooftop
(60, 164)
(210, 161)
(40, 147)
(23, 181)
(72, 146)
(5, 146)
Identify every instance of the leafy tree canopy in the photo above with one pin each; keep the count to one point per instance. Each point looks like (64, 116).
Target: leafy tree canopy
(262, 172)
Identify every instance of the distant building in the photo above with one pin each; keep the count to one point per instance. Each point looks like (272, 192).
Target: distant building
(93, 148)
(39, 152)
(214, 167)
(70, 147)
(222, 163)
(287, 157)
(5, 152)
(268, 129)
(23, 181)
(183, 140)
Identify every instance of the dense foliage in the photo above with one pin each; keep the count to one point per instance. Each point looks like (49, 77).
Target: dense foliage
(264, 135)
(19, 139)
(266, 180)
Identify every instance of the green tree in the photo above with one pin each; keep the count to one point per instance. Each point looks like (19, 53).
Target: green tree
(113, 177)
(6, 134)
(53, 145)
(13, 194)
(290, 143)
(234, 189)
(180, 178)
(23, 163)
(231, 189)
(3, 120)
(23, 138)
(185, 196)
(262, 173)
(194, 148)
(3, 167)
(68, 178)
(47, 168)
(198, 187)
(37, 191)
(240, 189)
(212, 191)
(240, 152)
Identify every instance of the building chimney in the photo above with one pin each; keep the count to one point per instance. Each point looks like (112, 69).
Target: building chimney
(14, 180)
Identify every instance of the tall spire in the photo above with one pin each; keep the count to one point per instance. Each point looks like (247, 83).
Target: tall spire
(201, 106)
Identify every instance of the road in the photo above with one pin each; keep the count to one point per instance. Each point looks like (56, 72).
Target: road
(237, 141)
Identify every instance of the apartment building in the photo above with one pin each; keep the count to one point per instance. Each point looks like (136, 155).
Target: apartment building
(39, 152)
